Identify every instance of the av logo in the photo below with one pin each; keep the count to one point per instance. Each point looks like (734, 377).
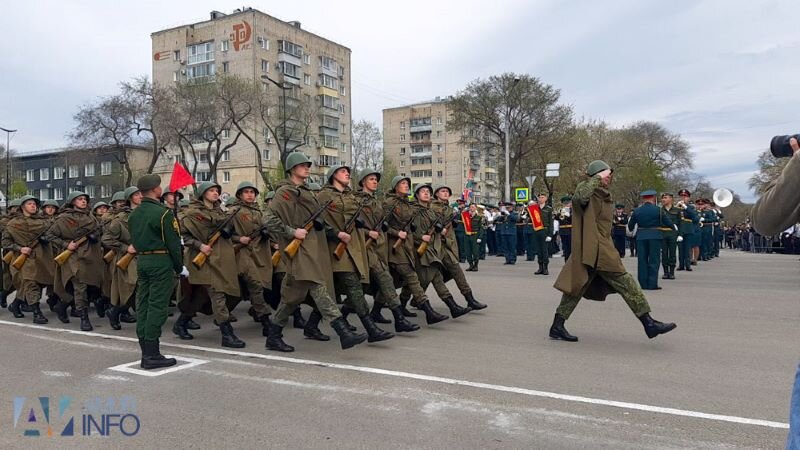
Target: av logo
(35, 416)
(241, 36)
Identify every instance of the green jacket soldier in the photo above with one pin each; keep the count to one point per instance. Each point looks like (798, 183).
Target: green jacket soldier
(686, 230)
(156, 242)
(544, 236)
(77, 232)
(309, 269)
(117, 239)
(651, 223)
(671, 236)
(449, 254)
(352, 268)
(595, 269)
(402, 253)
(473, 239)
(377, 247)
(565, 227)
(24, 235)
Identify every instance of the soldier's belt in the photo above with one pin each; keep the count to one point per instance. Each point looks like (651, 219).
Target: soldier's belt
(622, 225)
(686, 220)
(472, 234)
(664, 229)
(564, 226)
(154, 252)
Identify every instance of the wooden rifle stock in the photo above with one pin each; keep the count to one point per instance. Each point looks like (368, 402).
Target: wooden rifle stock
(294, 246)
(19, 261)
(125, 261)
(423, 247)
(276, 258)
(201, 258)
(109, 256)
(8, 257)
(64, 256)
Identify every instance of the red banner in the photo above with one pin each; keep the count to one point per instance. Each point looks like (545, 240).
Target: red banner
(536, 217)
(467, 219)
(180, 178)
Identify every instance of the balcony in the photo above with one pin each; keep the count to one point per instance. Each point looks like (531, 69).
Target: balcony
(422, 142)
(420, 128)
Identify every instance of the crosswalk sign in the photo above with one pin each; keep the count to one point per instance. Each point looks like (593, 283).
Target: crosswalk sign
(521, 195)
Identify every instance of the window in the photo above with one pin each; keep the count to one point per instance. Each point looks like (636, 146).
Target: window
(200, 71)
(58, 173)
(90, 191)
(200, 53)
(329, 141)
(402, 150)
(105, 190)
(225, 67)
(226, 177)
(341, 109)
(439, 134)
(44, 173)
(176, 55)
(344, 128)
(203, 175)
(88, 170)
(176, 76)
(438, 160)
(418, 161)
(328, 63)
(329, 102)
(328, 81)
(325, 160)
(265, 66)
(290, 48)
(343, 146)
(307, 79)
(330, 122)
(438, 173)
(203, 158)
(306, 59)
(74, 171)
(403, 125)
(226, 155)
(341, 71)
(30, 175)
(402, 138)
(105, 169)
(439, 120)
(226, 133)
(225, 45)
(421, 173)
(263, 43)
(290, 70)
(438, 147)
(342, 90)
(402, 163)
(265, 154)
(43, 194)
(58, 193)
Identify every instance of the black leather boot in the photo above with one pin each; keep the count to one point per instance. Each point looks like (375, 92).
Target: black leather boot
(25, 307)
(125, 315)
(3, 301)
(74, 311)
(298, 321)
(228, 338)
(152, 358)
(113, 317)
(191, 324)
(376, 315)
(179, 328)
(347, 338)
(86, 325)
(456, 310)
(653, 327)
(265, 324)
(100, 306)
(60, 309)
(472, 303)
(540, 271)
(312, 331)
(471, 267)
(559, 332)
(671, 272)
(545, 270)
(375, 334)
(475, 268)
(15, 308)
(38, 317)
(401, 324)
(431, 315)
(275, 340)
(405, 310)
(666, 273)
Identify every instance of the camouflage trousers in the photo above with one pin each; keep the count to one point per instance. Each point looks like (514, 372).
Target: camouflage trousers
(383, 285)
(623, 283)
(294, 292)
(349, 285)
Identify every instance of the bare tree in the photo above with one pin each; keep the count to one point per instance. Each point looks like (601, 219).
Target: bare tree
(150, 109)
(769, 169)
(367, 148)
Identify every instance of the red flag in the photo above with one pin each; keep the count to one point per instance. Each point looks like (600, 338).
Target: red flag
(536, 217)
(467, 219)
(180, 178)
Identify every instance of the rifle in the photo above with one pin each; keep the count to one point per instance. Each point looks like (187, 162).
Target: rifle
(109, 256)
(125, 261)
(406, 227)
(253, 235)
(294, 246)
(201, 258)
(64, 256)
(423, 247)
(348, 228)
(381, 225)
(8, 257)
(19, 261)
(276, 258)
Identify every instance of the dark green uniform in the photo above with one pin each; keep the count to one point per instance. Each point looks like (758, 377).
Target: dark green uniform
(669, 242)
(542, 243)
(648, 241)
(472, 240)
(686, 230)
(156, 238)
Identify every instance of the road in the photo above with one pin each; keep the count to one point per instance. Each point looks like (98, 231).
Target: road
(491, 379)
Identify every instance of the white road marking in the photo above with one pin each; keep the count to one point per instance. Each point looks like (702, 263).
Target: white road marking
(435, 379)
(129, 367)
(111, 378)
(56, 374)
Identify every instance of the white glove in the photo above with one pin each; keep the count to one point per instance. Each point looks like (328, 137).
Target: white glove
(702, 219)
(479, 241)
(548, 239)
(185, 272)
(680, 238)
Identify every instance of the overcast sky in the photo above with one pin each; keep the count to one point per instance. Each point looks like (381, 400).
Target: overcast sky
(724, 74)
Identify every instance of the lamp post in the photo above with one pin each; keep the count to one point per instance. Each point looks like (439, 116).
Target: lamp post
(284, 87)
(508, 138)
(8, 161)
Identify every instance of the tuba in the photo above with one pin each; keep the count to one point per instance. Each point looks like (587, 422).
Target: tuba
(723, 197)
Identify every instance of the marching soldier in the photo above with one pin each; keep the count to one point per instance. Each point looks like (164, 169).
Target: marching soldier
(449, 250)
(117, 239)
(618, 232)
(155, 240)
(218, 275)
(595, 268)
(689, 220)
(565, 226)
(169, 198)
(670, 236)
(76, 233)
(649, 236)
(544, 236)
(24, 235)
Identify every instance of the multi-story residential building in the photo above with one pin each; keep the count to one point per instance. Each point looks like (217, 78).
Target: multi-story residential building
(418, 144)
(252, 45)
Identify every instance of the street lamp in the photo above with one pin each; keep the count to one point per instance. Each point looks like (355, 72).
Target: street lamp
(285, 88)
(508, 138)
(8, 160)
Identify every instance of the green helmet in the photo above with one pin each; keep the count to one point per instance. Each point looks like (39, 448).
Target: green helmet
(230, 200)
(420, 186)
(333, 169)
(14, 203)
(270, 195)
(99, 204)
(439, 187)
(75, 194)
(206, 185)
(296, 158)
(596, 167)
(50, 203)
(128, 192)
(314, 186)
(364, 173)
(397, 179)
(28, 197)
(118, 196)
(245, 185)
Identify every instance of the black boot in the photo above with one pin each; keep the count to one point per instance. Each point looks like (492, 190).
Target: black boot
(405, 310)
(15, 309)
(60, 309)
(456, 310)
(666, 273)
(152, 357)
(265, 324)
(471, 267)
(191, 324)
(86, 325)
(3, 301)
(472, 303)
(100, 306)
(312, 331)
(653, 327)
(74, 311)
(375, 334)
(25, 307)
(38, 317)
(540, 271)
(559, 332)
(275, 340)
(347, 338)
(401, 324)
(475, 269)
(228, 338)
(544, 268)
(113, 317)
(125, 315)
(298, 321)
(431, 315)
(179, 328)
(376, 315)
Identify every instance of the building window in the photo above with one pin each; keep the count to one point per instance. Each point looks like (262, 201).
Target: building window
(225, 67)
(203, 175)
(58, 173)
(226, 133)
(90, 191)
(341, 71)
(325, 160)
(344, 128)
(328, 81)
(44, 173)
(438, 173)
(439, 120)
(402, 163)
(200, 71)
(418, 161)
(265, 154)
(88, 170)
(421, 173)
(58, 193)
(307, 79)
(203, 158)
(330, 141)
(265, 66)
(306, 59)
(402, 138)
(225, 45)
(438, 134)
(402, 150)
(438, 160)
(328, 63)
(226, 177)
(176, 76)
(402, 124)
(74, 172)
(438, 147)
(329, 102)
(43, 194)
(290, 48)
(30, 175)
(343, 147)
(176, 55)
(105, 168)
(341, 109)
(342, 90)
(200, 53)
(263, 43)
(290, 70)
(226, 155)
(105, 191)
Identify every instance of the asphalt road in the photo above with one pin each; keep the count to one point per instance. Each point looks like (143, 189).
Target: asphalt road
(490, 379)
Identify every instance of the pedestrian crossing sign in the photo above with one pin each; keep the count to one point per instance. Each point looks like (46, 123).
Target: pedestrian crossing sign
(521, 195)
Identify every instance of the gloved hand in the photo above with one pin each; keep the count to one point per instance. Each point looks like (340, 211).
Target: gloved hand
(184, 272)
(680, 238)
(479, 241)
(548, 239)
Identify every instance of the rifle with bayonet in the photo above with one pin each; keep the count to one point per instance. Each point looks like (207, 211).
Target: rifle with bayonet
(222, 231)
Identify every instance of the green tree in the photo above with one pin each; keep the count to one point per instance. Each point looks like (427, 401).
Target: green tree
(389, 172)
(18, 189)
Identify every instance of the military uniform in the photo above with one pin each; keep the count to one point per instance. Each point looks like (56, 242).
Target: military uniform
(543, 238)
(686, 229)
(460, 234)
(117, 238)
(565, 226)
(473, 239)
(618, 234)
(528, 235)
(508, 229)
(669, 242)
(5, 263)
(651, 221)
(708, 217)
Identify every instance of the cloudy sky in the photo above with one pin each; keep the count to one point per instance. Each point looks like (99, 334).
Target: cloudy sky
(722, 73)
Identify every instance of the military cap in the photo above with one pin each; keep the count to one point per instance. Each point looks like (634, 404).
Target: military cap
(206, 185)
(295, 159)
(176, 194)
(620, 206)
(506, 204)
(99, 204)
(364, 173)
(244, 185)
(566, 199)
(28, 197)
(666, 194)
(50, 203)
(130, 190)
(314, 186)
(684, 193)
(596, 167)
(648, 193)
(230, 200)
(270, 195)
(422, 185)
(118, 196)
(397, 179)
(148, 182)
(75, 194)
(439, 187)
(332, 170)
